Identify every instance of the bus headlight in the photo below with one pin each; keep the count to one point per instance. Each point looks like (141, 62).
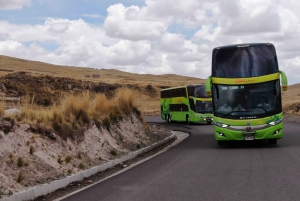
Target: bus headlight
(221, 125)
(273, 123)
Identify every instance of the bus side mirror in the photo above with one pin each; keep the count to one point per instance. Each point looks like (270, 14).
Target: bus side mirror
(208, 86)
(283, 81)
(284, 88)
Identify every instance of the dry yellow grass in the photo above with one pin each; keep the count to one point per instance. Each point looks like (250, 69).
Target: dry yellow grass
(80, 110)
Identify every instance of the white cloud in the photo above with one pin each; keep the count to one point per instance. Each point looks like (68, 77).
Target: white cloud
(139, 40)
(13, 4)
(125, 23)
(172, 43)
(59, 27)
(208, 32)
(92, 15)
(13, 48)
(128, 53)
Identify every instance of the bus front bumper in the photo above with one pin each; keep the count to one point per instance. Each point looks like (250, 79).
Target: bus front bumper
(272, 132)
(203, 118)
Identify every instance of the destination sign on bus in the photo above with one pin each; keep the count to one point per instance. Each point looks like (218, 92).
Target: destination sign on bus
(232, 88)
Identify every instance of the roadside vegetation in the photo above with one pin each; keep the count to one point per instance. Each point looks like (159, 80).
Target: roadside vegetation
(78, 111)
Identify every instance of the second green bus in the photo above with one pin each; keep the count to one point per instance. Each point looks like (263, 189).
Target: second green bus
(188, 104)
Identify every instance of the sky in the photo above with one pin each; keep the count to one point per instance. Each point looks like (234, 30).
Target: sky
(147, 36)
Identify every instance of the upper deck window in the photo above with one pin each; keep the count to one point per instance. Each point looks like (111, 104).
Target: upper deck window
(197, 91)
(244, 61)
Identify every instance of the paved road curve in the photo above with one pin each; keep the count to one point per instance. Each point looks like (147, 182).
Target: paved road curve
(199, 169)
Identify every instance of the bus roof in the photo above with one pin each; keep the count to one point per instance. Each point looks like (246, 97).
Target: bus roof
(242, 45)
(190, 85)
(244, 60)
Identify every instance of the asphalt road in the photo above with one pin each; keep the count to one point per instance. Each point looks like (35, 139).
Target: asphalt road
(199, 169)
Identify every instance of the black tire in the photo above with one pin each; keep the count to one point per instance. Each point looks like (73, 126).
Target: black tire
(221, 142)
(188, 120)
(169, 118)
(272, 141)
(166, 118)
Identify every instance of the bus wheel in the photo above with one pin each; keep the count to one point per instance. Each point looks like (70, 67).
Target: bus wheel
(221, 142)
(169, 118)
(188, 120)
(272, 141)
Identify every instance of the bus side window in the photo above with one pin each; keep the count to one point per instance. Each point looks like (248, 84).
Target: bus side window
(192, 105)
(190, 91)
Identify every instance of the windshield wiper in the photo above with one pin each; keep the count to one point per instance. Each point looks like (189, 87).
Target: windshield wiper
(233, 111)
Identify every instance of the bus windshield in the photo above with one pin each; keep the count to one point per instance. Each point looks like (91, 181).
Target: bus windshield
(203, 106)
(199, 92)
(247, 101)
(244, 61)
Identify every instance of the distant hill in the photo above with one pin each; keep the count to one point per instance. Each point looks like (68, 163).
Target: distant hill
(10, 64)
(147, 86)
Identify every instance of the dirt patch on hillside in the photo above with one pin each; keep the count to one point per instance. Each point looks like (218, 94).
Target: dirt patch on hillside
(292, 109)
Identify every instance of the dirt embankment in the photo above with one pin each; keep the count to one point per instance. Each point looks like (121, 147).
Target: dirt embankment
(30, 158)
(31, 155)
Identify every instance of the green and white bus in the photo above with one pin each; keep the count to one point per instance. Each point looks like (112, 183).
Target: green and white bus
(186, 104)
(246, 93)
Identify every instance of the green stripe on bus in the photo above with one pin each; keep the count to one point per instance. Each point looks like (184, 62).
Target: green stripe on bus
(248, 80)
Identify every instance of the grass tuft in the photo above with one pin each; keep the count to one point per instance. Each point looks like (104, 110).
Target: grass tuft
(20, 177)
(81, 166)
(76, 111)
(31, 150)
(68, 159)
(113, 152)
(59, 160)
(20, 162)
(11, 157)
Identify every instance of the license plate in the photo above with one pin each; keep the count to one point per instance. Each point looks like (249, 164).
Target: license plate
(249, 137)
